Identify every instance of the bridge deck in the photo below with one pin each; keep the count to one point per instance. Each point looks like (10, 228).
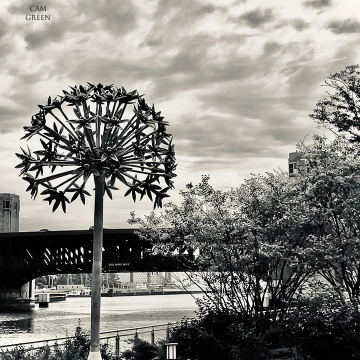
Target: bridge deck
(27, 255)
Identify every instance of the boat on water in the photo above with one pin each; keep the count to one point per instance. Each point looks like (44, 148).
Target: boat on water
(81, 292)
(74, 293)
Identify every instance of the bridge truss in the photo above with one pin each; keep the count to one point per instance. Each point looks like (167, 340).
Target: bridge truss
(28, 255)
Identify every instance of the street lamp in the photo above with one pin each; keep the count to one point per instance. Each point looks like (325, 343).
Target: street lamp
(171, 351)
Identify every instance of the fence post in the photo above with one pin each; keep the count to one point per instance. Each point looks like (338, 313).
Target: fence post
(152, 336)
(117, 346)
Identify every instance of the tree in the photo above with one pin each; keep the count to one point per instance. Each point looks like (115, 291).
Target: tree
(251, 242)
(62, 279)
(341, 108)
(329, 184)
(41, 281)
(100, 141)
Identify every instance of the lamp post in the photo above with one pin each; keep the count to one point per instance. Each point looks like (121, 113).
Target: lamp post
(171, 351)
(103, 142)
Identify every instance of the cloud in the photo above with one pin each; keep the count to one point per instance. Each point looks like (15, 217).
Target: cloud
(299, 24)
(8, 118)
(225, 126)
(272, 47)
(296, 23)
(172, 18)
(258, 17)
(348, 26)
(72, 19)
(317, 4)
(38, 39)
(3, 27)
(115, 17)
(186, 9)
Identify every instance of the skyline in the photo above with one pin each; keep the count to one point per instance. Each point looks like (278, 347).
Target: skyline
(235, 81)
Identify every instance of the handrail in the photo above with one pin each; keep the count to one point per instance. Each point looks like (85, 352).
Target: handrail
(101, 333)
(135, 328)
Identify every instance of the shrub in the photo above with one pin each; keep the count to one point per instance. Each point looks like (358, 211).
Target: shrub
(218, 335)
(323, 328)
(76, 348)
(143, 350)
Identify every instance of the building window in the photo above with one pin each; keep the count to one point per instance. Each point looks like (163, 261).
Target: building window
(291, 168)
(6, 204)
(15, 206)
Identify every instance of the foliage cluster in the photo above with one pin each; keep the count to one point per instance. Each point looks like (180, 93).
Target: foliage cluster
(252, 241)
(331, 192)
(76, 348)
(322, 327)
(216, 335)
(270, 237)
(316, 328)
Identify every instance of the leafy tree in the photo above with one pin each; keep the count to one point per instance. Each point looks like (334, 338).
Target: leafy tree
(98, 138)
(41, 281)
(329, 183)
(62, 279)
(251, 242)
(341, 108)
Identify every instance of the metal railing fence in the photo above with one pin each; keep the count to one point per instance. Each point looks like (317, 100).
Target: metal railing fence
(117, 340)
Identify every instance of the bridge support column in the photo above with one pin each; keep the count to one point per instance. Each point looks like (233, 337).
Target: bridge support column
(20, 298)
(44, 300)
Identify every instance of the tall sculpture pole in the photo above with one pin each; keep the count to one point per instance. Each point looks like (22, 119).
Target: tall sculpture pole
(97, 269)
(102, 141)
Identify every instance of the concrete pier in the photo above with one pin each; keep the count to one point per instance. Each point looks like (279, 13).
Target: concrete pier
(21, 298)
(44, 300)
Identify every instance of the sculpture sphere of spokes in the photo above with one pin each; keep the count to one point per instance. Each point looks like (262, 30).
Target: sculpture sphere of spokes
(91, 131)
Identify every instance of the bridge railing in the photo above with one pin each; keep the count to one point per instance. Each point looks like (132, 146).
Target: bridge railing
(117, 340)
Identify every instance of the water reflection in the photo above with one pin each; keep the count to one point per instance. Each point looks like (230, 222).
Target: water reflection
(17, 325)
(61, 318)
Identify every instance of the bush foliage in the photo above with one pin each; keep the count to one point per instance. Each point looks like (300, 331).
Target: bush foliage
(76, 348)
(323, 327)
(216, 336)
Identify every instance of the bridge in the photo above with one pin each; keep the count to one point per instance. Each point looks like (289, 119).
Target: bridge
(27, 255)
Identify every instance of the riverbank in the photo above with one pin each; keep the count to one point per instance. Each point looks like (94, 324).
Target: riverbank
(111, 292)
(148, 292)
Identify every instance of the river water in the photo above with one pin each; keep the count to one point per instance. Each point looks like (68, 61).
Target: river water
(61, 318)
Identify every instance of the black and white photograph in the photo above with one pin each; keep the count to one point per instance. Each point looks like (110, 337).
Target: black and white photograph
(180, 179)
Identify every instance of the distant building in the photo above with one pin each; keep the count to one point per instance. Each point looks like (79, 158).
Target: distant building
(9, 212)
(70, 287)
(295, 162)
(144, 277)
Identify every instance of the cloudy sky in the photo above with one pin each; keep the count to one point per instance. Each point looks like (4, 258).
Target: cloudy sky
(236, 81)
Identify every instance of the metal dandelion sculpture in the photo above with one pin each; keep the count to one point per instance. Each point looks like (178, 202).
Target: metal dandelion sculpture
(99, 136)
